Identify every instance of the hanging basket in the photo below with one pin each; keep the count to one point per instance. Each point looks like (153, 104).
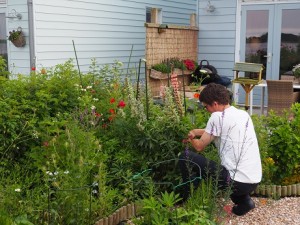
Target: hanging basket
(20, 40)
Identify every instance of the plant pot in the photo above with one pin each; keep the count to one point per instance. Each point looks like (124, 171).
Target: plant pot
(20, 41)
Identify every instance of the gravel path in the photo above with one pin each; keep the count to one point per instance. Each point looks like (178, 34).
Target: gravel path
(285, 211)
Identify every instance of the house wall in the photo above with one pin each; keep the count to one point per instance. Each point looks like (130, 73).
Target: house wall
(217, 35)
(18, 58)
(101, 29)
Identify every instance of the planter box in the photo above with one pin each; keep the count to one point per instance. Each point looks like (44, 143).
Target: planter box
(157, 79)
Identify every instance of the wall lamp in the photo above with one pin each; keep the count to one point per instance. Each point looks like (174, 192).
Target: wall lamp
(210, 8)
(162, 28)
(14, 14)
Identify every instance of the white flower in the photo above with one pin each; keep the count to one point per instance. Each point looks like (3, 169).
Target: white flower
(119, 63)
(88, 87)
(66, 172)
(49, 173)
(93, 107)
(17, 190)
(95, 99)
(55, 173)
(83, 89)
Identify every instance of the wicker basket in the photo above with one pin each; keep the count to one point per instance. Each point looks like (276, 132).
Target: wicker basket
(20, 41)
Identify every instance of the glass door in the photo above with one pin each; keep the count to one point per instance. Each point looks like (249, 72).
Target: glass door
(289, 33)
(270, 34)
(256, 36)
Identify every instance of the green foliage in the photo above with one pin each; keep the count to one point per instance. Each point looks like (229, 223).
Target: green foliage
(279, 141)
(14, 34)
(160, 211)
(162, 67)
(3, 68)
(71, 144)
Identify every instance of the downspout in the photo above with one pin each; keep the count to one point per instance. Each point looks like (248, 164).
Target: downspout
(31, 34)
(197, 24)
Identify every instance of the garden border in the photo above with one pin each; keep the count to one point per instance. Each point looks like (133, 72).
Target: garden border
(278, 191)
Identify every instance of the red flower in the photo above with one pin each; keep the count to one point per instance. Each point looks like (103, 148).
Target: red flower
(112, 111)
(33, 68)
(189, 64)
(97, 114)
(112, 100)
(196, 95)
(110, 118)
(46, 144)
(121, 104)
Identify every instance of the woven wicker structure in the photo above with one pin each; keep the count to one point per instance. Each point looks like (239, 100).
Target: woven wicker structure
(281, 95)
(173, 41)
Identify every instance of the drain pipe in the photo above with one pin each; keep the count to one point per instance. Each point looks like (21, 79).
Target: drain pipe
(31, 34)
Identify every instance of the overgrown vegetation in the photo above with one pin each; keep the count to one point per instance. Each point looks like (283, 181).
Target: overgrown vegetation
(71, 146)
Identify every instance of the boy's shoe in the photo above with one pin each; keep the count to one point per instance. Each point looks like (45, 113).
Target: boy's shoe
(242, 208)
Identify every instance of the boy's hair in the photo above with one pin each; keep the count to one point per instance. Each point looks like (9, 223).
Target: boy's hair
(215, 93)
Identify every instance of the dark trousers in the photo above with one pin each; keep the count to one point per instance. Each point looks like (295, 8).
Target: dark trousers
(193, 165)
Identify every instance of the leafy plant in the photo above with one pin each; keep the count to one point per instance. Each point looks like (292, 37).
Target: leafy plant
(296, 71)
(14, 34)
(3, 67)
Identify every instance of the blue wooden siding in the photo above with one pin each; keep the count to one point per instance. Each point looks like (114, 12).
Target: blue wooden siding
(217, 31)
(18, 58)
(101, 29)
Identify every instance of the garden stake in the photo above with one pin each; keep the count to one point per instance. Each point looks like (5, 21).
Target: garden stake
(146, 85)
(183, 88)
(138, 79)
(129, 60)
(77, 63)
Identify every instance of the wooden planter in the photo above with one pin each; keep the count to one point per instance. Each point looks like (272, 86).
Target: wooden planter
(158, 79)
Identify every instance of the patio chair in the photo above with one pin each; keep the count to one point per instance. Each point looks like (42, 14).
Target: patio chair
(281, 95)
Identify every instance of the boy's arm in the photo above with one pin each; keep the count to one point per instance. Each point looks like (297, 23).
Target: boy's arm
(200, 144)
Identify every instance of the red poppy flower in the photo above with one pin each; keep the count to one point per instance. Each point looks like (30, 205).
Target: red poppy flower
(110, 118)
(196, 95)
(112, 111)
(121, 104)
(97, 114)
(112, 100)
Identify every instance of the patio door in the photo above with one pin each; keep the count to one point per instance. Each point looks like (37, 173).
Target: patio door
(270, 34)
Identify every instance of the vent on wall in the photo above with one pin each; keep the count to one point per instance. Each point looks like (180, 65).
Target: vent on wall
(2, 1)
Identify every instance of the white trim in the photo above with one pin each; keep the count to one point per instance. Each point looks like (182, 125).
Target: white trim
(2, 1)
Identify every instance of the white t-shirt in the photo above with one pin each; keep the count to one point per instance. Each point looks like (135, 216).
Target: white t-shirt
(237, 144)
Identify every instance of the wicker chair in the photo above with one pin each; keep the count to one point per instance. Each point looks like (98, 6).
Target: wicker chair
(281, 95)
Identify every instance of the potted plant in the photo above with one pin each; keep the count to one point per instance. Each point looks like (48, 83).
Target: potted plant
(17, 37)
(198, 80)
(296, 72)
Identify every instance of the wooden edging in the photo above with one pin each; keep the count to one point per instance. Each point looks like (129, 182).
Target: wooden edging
(123, 213)
(278, 191)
